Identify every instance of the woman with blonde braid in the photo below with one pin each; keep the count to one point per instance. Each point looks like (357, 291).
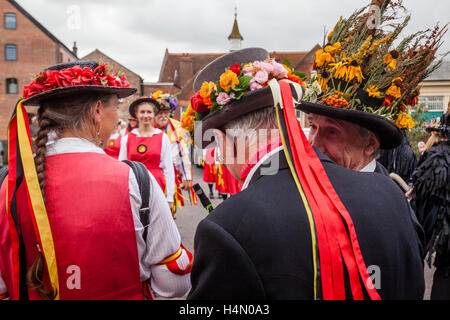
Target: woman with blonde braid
(87, 240)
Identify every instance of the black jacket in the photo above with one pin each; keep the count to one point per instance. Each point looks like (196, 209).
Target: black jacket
(257, 244)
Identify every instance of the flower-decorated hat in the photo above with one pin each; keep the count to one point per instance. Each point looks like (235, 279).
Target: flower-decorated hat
(76, 77)
(233, 85)
(363, 78)
(166, 100)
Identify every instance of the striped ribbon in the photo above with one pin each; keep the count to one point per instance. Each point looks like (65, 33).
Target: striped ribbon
(20, 158)
(327, 216)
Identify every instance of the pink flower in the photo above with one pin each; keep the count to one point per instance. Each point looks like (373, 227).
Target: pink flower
(266, 66)
(261, 76)
(278, 70)
(223, 98)
(253, 85)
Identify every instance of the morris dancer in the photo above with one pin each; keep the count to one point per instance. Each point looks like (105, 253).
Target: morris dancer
(72, 229)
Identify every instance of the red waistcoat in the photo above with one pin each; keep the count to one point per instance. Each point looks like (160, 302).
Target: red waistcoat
(148, 151)
(92, 227)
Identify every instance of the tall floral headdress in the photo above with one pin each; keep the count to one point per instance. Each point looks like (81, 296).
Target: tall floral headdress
(363, 67)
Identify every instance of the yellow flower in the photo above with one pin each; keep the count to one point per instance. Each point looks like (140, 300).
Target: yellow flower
(394, 89)
(373, 91)
(333, 49)
(157, 94)
(390, 61)
(206, 89)
(354, 71)
(323, 57)
(228, 80)
(187, 120)
(404, 121)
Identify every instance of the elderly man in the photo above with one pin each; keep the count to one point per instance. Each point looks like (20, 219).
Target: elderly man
(346, 143)
(285, 236)
(178, 147)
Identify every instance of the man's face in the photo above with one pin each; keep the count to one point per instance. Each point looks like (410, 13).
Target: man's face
(162, 118)
(342, 141)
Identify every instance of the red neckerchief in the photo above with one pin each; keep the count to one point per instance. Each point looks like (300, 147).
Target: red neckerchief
(258, 155)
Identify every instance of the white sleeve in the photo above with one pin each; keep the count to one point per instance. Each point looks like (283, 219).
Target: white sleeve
(166, 165)
(123, 148)
(180, 161)
(163, 240)
(3, 289)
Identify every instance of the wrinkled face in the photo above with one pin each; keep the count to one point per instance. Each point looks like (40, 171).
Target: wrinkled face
(109, 118)
(342, 141)
(162, 118)
(145, 113)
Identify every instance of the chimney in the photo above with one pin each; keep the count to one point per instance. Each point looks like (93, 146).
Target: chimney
(75, 49)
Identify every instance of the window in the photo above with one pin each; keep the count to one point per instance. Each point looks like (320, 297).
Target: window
(432, 103)
(11, 52)
(11, 86)
(10, 21)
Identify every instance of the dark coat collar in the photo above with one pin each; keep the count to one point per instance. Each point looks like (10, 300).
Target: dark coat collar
(266, 167)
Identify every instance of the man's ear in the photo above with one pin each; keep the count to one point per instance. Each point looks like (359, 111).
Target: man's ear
(225, 145)
(372, 144)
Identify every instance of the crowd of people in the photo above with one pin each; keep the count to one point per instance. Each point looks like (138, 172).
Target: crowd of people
(88, 204)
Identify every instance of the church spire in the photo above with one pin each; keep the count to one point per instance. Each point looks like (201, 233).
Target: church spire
(235, 37)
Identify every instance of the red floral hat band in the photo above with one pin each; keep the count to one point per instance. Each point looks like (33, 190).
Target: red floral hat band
(80, 74)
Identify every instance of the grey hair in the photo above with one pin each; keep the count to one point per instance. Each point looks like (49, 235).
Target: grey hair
(248, 125)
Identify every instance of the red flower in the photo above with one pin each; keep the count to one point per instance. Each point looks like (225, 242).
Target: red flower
(198, 104)
(387, 101)
(236, 69)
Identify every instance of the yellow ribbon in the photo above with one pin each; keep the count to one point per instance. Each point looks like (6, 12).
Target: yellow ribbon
(278, 103)
(172, 257)
(37, 202)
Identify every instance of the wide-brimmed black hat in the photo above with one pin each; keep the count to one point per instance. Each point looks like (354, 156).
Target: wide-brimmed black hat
(249, 102)
(133, 106)
(389, 135)
(63, 91)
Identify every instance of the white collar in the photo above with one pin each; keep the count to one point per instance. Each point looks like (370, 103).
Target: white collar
(72, 145)
(371, 166)
(136, 132)
(258, 164)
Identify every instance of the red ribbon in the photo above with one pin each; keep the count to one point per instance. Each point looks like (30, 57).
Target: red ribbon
(329, 213)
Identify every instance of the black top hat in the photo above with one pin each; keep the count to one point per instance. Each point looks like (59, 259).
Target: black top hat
(249, 102)
(387, 132)
(133, 106)
(59, 88)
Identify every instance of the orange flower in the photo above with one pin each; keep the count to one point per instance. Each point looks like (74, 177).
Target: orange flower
(336, 101)
(228, 80)
(296, 79)
(206, 89)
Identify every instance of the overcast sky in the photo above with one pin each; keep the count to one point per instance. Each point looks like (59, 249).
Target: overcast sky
(137, 32)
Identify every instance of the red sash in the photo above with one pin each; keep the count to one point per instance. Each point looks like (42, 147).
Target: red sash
(147, 150)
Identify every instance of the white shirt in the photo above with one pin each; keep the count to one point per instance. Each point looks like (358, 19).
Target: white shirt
(180, 160)
(370, 167)
(163, 238)
(165, 163)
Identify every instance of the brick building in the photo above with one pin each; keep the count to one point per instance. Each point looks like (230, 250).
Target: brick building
(133, 78)
(25, 47)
